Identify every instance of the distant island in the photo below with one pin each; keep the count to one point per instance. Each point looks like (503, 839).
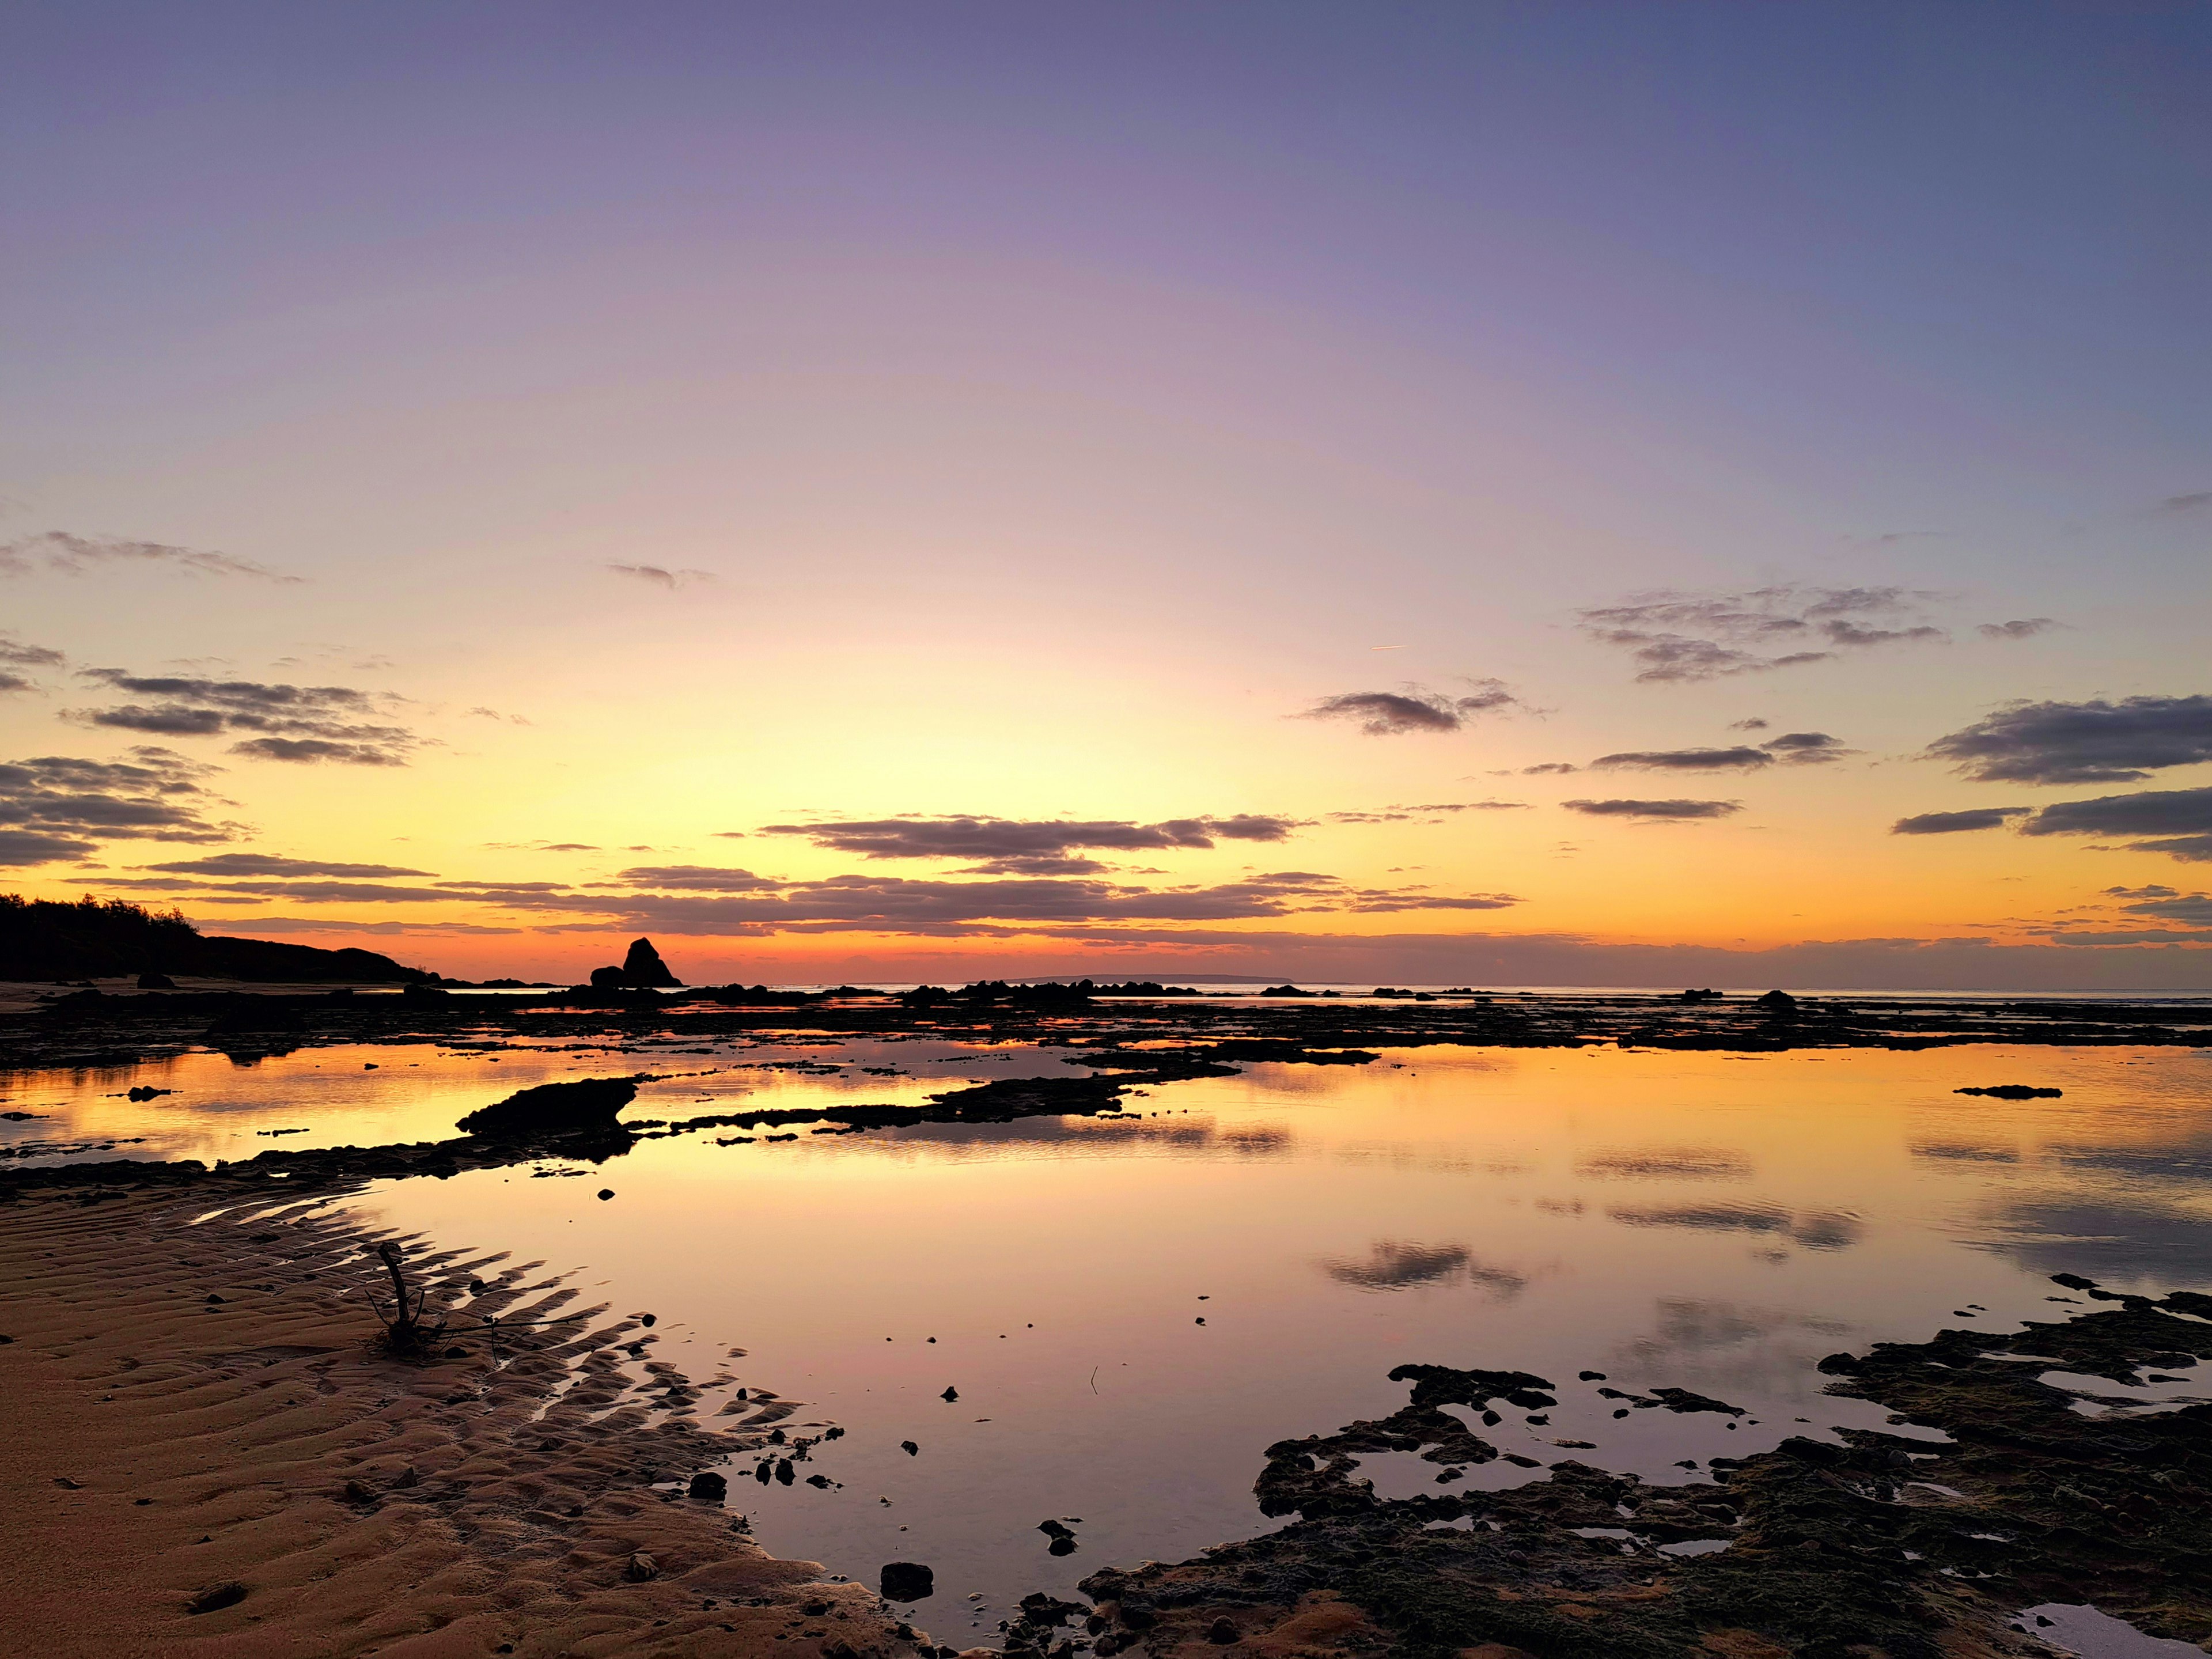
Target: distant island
(92, 937)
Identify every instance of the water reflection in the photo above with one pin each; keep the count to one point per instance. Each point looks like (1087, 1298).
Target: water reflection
(1391, 1265)
(1708, 1221)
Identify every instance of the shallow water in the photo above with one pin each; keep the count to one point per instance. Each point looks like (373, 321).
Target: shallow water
(1713, 1222)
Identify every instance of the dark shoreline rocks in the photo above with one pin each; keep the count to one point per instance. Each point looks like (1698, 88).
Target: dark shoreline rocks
(1867, 1544)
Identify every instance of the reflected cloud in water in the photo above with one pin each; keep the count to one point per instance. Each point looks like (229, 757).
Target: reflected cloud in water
(1394, 1265)
(1678, 1163)
(1815, 1230)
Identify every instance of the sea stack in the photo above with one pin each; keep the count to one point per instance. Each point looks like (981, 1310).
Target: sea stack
(643, 966)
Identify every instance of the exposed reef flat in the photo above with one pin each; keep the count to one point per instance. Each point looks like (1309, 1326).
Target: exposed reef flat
(209, 1450)
(2048, 1488)
(1146, 1033)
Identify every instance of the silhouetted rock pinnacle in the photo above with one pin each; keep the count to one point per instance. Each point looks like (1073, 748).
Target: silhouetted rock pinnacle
(643, 966)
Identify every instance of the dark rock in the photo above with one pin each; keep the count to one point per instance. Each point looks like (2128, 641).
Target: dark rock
(783, 1471)
(607, 978)
(1777, 1002)
(643, 966)
(1042, 1610)
(1221, 1633)
(2013, 1091)
(605, 1193)
(1681, 1400)
(709, 1486)
(214, 1600)
(909, 1448)
(587, 1105)
(642, 1569)
(156, 982)
(951, 1393)
(907, 1580)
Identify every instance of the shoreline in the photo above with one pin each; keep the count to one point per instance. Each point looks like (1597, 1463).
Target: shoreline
(199, 1413)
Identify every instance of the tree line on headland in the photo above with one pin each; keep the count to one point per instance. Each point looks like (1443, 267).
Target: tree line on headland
(93, 938)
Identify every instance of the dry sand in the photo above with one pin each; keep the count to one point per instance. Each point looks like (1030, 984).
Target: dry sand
(163, 1448)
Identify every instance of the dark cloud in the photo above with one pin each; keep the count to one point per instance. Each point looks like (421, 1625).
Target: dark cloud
(998, 839)
(1952, 824)
(698, 878)
(2191, 910)
(2023, 627)
(1740, 759)
(1391, 1264)
(2180, 818)
(659, 576)
(1807, 748)
(307, 751)
(1678, 636)
(2196, 501)
(1654, 809)
(1549, 768)
(1747, 726)
(696, 899)
(154, 795)
(2096, 742)
(25, 847)
(301, 724)
(57, 550)
(269, 864)
(1390, 714)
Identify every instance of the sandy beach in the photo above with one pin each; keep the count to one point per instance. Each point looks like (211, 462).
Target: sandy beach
(209, 1450)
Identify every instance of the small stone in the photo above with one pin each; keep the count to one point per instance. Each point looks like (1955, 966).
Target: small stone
(606, 1193)
(951, 1393)
(642, 1568)
(909, 1448)
(709, 1486)
(1221, 1631)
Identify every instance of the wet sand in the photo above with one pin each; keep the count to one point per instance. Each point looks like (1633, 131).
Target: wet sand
(196, 1411)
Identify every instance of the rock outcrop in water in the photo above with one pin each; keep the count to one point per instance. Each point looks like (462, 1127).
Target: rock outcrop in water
(642, 969)
(586, 1107)
(643, 966)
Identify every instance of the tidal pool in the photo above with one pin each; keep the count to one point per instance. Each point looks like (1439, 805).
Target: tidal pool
(1130, 1310)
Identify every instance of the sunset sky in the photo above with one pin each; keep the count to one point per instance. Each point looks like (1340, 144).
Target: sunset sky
(1459, 494)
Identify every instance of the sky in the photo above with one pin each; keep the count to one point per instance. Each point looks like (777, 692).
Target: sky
(1586, 494)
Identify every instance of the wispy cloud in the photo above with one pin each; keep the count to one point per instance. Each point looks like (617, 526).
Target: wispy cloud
(661, 576)
(1003, 841)
(1677, 637)
(59, 550)
(2023, 627)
